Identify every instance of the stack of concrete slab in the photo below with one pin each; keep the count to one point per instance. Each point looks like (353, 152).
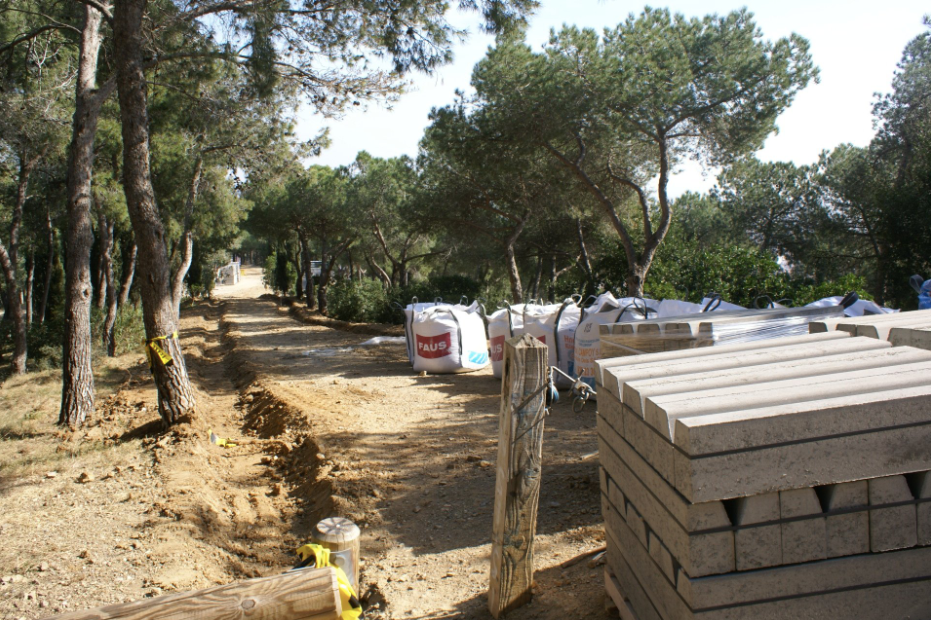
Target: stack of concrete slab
(786, 478)
(709, 329)
(911, 329)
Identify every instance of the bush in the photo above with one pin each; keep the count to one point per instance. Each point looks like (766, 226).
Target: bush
(359, 302)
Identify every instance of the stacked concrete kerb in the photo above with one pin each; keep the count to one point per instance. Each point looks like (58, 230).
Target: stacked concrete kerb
(709, 329)
(912, 329)
(779, 479)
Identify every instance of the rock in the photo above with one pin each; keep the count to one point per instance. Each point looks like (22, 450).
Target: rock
(43, 567)
(276, 489)
(84, 554)
(321, 456)
(485, 464)
(85, 477)
(51, 474)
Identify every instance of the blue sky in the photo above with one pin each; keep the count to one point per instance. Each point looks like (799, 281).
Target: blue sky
(856, 44)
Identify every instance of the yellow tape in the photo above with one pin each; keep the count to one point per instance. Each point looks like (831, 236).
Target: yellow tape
(151, 346)
(352, 609)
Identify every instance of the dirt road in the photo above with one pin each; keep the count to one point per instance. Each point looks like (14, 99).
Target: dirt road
(325, 425)
(411, 459)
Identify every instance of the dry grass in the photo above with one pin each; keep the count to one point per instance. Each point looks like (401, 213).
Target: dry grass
(31, 442)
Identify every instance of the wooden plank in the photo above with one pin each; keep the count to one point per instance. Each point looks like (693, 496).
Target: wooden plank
(307, 594)
(517, 486)
(616, 595)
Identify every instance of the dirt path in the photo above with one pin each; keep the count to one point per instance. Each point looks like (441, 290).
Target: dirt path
(411, 460)
(325, 426)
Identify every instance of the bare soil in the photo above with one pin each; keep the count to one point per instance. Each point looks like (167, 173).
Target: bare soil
(325, 426)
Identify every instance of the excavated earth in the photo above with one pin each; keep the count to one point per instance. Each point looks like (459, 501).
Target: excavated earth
(324, 425)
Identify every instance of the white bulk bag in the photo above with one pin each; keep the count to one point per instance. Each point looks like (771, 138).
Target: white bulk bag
(675, 307)
(449, 339)
(410, 311)
(605, 310)
(860, 307)
(504, 323)
(554, 325)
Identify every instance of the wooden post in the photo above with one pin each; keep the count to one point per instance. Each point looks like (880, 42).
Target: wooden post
(517, 486)
(341, 537)
(307, 594)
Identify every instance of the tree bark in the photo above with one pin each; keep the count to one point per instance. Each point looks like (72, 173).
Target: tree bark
(517, 290)
(30, 276)
(175, 393)
(105, 234)
(129, 270)
(77, 390)
(9, 257)
(108, 336)
(538, 275)
(326, 268)
(308, 272)
(50, 265)
(187, 239)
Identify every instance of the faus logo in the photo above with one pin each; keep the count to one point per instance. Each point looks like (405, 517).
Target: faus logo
(432, 347)
(497, 348)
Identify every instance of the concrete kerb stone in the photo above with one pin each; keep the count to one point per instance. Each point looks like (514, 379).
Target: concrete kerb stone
(758, 547)
(619, 364)
(881, 331)
(892, 528)
(662, 411)
(911, 337)
(753, 428)
(844, 458)
(847, 534)
(636, 392)
(849, 323)
(805, 540)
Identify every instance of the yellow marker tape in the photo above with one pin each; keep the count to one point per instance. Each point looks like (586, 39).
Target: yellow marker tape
(152, 346)
(352, 609)
(220, 441)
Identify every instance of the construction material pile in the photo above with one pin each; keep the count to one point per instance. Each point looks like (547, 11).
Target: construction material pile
(783, 478)
(675, 333)
(911, 329)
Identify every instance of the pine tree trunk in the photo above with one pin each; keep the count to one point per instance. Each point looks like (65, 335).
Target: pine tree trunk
(30, 276)
(129, 270)
(110, 321)
(48, 269)
(175, 393)
(187, 239)
(77, 391)
(9, 259)
(517, 290)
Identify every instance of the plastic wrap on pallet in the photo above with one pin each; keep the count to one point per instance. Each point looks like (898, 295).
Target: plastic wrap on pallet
(729, 328)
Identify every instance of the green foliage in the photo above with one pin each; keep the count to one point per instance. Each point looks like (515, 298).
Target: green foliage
(359, 302)
(278, 273)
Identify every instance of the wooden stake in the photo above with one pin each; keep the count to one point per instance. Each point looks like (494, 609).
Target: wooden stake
(308, 594)
(341, 537)
(517, 486)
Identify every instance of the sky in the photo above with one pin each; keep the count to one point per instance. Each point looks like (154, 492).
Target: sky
(855, 43)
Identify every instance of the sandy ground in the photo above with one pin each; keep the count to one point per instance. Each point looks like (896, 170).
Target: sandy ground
(326, 426)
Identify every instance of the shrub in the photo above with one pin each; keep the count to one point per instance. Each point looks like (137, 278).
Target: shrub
(359, 302)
